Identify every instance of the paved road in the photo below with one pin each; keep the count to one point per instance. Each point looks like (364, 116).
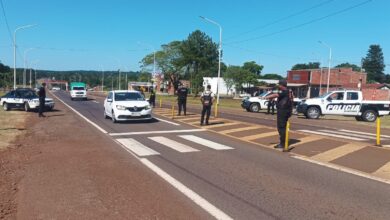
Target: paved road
(238, 179)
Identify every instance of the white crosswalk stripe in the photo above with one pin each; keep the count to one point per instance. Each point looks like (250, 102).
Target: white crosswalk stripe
(182, 148)
(349, 134)
(136, 147)
(363, 133)
(205, 142)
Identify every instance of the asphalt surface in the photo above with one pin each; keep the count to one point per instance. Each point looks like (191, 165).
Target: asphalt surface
(248, 182)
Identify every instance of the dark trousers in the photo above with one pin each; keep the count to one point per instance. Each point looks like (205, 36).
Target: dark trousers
(281, 121)
(152, 101)
(182, 105)
(271, 104)
(41, 105)
(206, 110)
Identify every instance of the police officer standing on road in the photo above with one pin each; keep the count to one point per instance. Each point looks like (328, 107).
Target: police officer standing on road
(42, 97)
(271, 104)
(182, 93)
(207, 101)
(152, 98)
(284, 107)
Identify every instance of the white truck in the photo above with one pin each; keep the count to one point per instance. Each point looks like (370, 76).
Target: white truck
(346, 103)
(257, 103)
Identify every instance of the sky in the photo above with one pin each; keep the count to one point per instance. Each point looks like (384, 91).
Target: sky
(117, 34)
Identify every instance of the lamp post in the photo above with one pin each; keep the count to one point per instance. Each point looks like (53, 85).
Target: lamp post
(219, 52)
(330, 58)
(24, 69)
(19, 28)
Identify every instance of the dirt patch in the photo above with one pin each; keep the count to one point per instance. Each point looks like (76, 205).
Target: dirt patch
(12, 126)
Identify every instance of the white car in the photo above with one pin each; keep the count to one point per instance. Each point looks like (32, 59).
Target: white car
(124, 105)
(24, 98)
(56, 88)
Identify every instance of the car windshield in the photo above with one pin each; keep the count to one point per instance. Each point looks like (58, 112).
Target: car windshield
(29, 94)
(78, 88)
(128, 96)
(263, 94)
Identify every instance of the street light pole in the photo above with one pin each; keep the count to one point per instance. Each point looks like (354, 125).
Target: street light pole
(19, 28)
(330, 58)
(25, 63)
(219, 52)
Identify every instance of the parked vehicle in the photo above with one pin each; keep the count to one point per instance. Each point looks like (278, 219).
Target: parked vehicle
(255, 104)
(56, 88)
(344, 102)
(78, 90)
(123, 105)
(24, 98)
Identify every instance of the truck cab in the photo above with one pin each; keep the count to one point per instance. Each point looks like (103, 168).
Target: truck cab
(78, 90)
(344, 102)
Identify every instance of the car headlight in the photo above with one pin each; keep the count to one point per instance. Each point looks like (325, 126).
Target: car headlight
(147, 107)
(120, 107)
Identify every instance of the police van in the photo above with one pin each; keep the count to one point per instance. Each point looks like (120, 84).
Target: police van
(346, 103)
(257, 103)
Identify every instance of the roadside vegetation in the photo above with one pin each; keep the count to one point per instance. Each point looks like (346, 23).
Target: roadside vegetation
(12, 124)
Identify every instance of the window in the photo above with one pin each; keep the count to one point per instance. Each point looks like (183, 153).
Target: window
(109, 95)
(337, 96)
(78, 88)
(352, 96)
(128, 96)
(296, 77)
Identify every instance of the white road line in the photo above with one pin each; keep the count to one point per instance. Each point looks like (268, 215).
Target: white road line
(364, 133)
(85, 118)
(166, 121)
(210, 208)
(346, 133)
(95, 101)
(136, 147)
(343, 169)
(333, 135)
(207, 143)
(182, 148)
(156, 132)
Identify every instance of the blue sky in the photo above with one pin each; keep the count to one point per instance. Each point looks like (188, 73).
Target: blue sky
(117, 34)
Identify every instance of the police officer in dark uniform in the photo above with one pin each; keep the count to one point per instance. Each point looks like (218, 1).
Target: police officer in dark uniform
(182, 93)
(42, 97)
(152, 98)
(284, 107)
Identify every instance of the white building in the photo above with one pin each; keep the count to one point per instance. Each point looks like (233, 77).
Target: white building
(223, 90)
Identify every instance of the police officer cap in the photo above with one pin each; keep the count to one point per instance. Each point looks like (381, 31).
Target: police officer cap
(283, 82)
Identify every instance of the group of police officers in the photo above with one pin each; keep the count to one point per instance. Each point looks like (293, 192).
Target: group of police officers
(282, 94)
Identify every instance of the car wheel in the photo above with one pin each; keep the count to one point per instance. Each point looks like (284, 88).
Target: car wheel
(248, 110)
(5, 106)
(369, 115)
(358, 118)
(113, 117)
(26, 107)
(72, 99)
(254, 107)
(313, 113)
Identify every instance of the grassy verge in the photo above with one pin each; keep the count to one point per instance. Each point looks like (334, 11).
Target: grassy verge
(12, 124)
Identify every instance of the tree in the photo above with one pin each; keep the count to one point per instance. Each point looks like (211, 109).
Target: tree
(241, 77)
(272, 76)
(5, 76)
(228, 77)
(348, 65)
(304, 66)
(253, 67)
(374, 64)
(144, 77)
(199, 57)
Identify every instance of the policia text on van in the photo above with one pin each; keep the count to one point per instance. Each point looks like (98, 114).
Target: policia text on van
(344, 102)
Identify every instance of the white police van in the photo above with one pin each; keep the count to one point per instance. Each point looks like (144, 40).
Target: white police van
(257, 103)
(346, 103)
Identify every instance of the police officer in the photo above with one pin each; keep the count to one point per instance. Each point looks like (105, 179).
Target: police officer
(207, 101)
(152, 98)
(284, 107)
(271, 105)
(182, 93)
(42, 97)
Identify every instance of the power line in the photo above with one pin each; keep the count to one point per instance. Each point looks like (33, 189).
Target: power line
(303, 24)
(6, 21)
(282, 19)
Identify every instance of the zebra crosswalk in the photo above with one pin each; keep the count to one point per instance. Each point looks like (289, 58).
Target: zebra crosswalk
(346, 134)
(176, 144)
